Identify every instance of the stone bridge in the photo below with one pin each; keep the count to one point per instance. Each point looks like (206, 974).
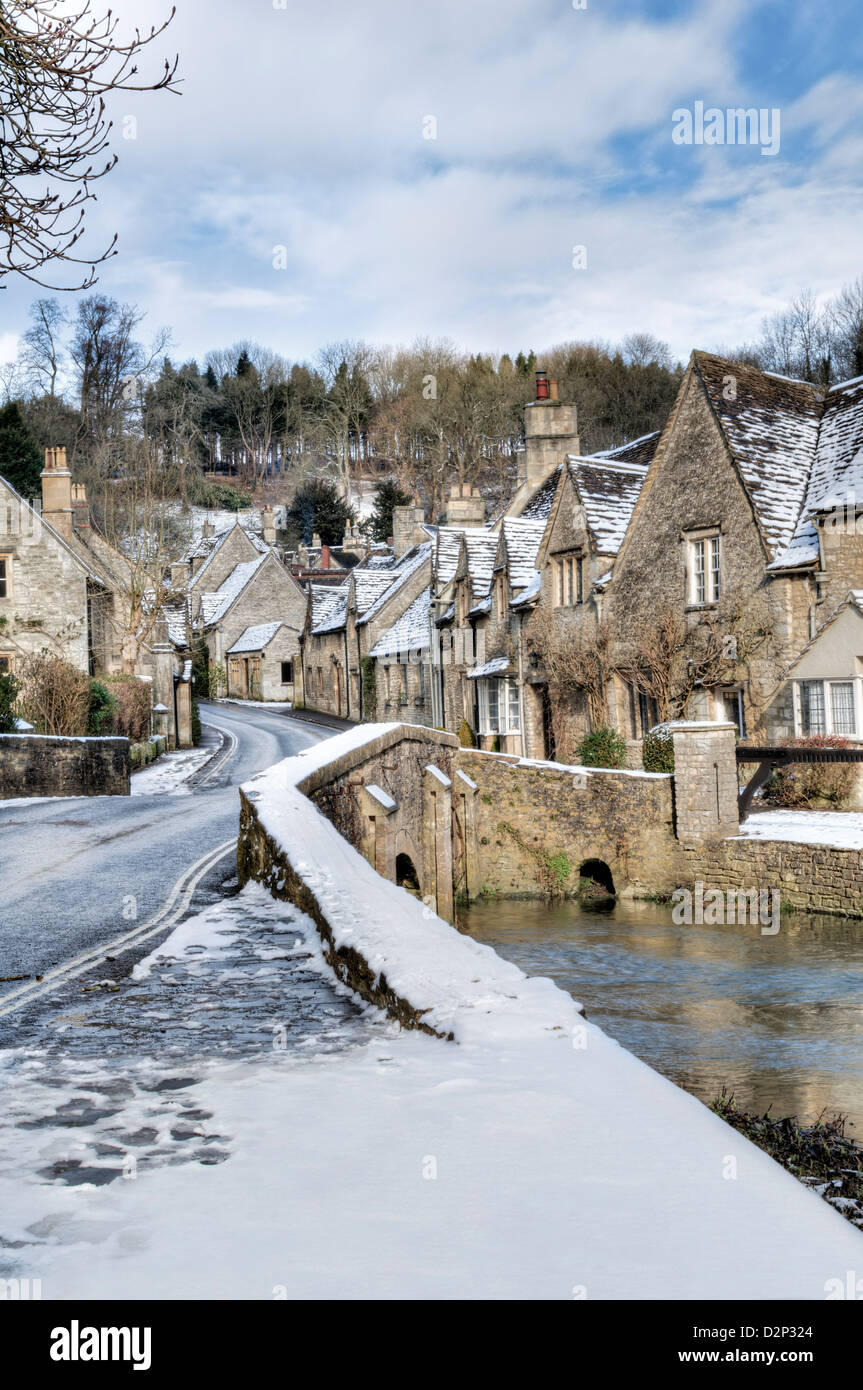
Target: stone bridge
(454, 824)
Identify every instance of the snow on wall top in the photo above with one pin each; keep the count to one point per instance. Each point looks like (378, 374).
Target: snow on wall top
(255, 638)
(410, 633)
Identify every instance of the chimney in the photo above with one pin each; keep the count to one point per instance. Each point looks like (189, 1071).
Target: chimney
(325, 557)
(550, 433)
(180, 576)
(268, 530)
(57, 492)
(316, 541)
(207, 529)
(80, 509)
(466, 506)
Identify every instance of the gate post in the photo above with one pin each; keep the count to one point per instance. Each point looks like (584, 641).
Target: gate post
(705, 779)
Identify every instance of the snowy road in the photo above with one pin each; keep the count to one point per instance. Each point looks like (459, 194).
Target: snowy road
(79, 874)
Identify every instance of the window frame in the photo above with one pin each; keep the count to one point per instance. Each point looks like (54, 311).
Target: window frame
(5, 574)
(829, 721)
(287, 680)
(506, 702)
(704, 584)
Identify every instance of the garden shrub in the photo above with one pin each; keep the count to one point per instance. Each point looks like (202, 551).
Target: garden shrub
(55, 696)
(602, 748)
(803, 784)
(9, 689)
(657, 750)
(133, 705)
(466, 735)
(102, 706)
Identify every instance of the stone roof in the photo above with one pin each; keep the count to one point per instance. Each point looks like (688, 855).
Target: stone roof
(481, 550)
(522, 537)
(406, 567)
(214, 606)
(254, 639)
(209, 546)
(798, 447)
(410, 632)
(608, 493)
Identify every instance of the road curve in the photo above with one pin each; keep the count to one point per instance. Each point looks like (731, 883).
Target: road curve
(78, 874)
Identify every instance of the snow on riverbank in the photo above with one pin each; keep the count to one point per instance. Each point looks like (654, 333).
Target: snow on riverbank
(838, 829)
(537, 1161)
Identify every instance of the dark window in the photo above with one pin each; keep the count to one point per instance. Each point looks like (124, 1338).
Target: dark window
(287, 673)
(579, 580)
(4, 579)
(5, 665)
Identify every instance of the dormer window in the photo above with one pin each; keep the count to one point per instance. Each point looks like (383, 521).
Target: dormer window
(704, 564)
(569, 581)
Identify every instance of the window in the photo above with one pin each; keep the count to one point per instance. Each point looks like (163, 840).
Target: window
(704, 570)
(499, 707)
(287, 673)
(421, 672)
(570, 581)
(643, 712)
(733, 702)
(827, 707)
(5, 576)
(5, 663)
(812, 720)
(501, 596)
(403, 692)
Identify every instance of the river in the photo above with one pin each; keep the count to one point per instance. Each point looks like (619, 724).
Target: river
(778, 1020)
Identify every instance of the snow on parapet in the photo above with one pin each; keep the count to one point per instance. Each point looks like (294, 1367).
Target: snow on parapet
(458, 986)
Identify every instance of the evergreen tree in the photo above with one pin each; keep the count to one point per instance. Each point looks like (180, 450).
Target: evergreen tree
(20, 462)
(387, 495)
(319, 507)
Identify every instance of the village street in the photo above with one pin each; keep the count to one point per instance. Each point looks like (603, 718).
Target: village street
(80, 874)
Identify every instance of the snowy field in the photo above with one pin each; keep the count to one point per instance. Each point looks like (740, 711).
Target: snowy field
(838, 829)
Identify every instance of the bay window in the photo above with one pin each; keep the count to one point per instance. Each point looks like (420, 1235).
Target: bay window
(499, 707)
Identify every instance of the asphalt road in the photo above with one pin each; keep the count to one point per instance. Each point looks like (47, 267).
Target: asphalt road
(78, 875)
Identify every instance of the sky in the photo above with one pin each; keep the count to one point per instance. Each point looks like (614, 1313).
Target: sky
(501, 173)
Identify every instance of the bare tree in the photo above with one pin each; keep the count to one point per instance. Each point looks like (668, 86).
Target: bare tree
(110, 363)
(59, 62)
(42, 351)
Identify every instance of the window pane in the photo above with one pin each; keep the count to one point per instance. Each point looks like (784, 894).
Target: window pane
(714, 567)
(812, 707)
(580, 589)
(513, 720)
(842, 707)
(698, 571)
(493, 708)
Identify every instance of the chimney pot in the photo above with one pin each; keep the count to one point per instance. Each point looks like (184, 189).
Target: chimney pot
(542, 386)
(552, 389)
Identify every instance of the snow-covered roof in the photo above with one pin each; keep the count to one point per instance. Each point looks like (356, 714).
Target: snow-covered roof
(522, 537)
(367, 586)
(175, 617)
(481, 549)
(406, 567)
(530, 593)
(209, 546)
(324, 598)
(254, 639)
(498, 666)
(799, 448)
(410, 633)
(214, 606)
(608, 493)
(539, 506)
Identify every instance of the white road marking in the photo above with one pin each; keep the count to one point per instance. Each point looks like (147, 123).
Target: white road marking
(174, 907)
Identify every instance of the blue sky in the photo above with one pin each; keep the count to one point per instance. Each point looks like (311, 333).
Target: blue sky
(302, 128)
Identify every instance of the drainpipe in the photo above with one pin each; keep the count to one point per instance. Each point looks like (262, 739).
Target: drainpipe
(359, 677)
(521, 701)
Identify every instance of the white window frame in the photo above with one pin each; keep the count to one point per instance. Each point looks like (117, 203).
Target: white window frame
(507, 700)
(704, 568)
(6, 561)
(826, 682)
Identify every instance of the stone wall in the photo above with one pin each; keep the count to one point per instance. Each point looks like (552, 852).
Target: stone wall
(812, 878)
(537, 825)
(39, 765)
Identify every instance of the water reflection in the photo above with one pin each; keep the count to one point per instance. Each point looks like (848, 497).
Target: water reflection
(778, 1019)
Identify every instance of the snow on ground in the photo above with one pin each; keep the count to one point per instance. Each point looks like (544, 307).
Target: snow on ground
(535, 1161)
(255, 704)
(170, 773)
(839, 829)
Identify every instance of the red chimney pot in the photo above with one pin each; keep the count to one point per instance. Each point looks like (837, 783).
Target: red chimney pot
(542, 386)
